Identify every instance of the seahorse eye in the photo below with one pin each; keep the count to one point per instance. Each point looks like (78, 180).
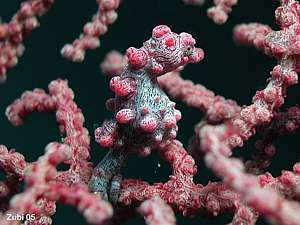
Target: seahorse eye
(189, 49)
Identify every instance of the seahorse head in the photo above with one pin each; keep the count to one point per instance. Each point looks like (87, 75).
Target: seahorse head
(165, 51)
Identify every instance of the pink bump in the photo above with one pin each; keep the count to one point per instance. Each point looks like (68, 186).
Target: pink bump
(170, 42)
(124, 116)
(187, 39)
(197, 56)
(137, 58)
(148, 124)
(178, 115)
(113, 82)
(157, 69)
(173, 133)
(169, 121)
(144, 110)
(296, 168)
(105, 141)
(122, 87)
(158, 138)
(160, 30)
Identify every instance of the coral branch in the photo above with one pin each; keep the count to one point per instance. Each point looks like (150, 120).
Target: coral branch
(157, 212)
(265, 201)
(283, 123)
(251, 34)
(70, 120)
(218, 141)
(43, 189)
(37, 177)
(283, 76)
(286, 184)
(30, 101)
(215, 107)
(70, 186)
(93, 208)
(113, 64)
(244, 215)
(219, 12)
(180, 192)
(105, 16)
(12, 34)
(13, 164)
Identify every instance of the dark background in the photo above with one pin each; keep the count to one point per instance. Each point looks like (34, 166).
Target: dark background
(231, 71)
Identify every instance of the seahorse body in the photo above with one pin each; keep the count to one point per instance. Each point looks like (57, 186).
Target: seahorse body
(144, 116)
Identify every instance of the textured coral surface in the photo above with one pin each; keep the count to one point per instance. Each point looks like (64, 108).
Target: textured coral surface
(175, 112)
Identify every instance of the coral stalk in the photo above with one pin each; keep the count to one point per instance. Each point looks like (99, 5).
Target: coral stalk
(216, 108)
(44, 185)
(219, 12)
(12, 34)
(13, 164)
(265, 201)
(157, 212)
(70, 120)
(105, 16)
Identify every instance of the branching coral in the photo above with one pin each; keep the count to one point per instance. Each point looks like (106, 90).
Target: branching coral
(13, 33)
(219, 12)
(105, 16)
(145, 120)
(44, 184)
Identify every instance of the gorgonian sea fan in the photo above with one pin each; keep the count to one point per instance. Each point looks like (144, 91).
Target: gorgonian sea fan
(146, 82)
